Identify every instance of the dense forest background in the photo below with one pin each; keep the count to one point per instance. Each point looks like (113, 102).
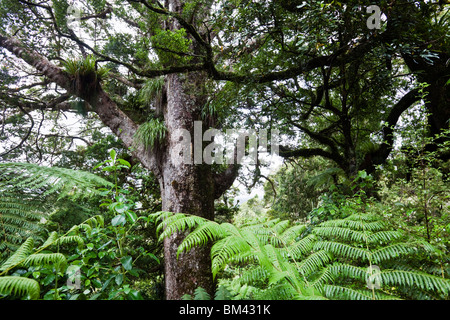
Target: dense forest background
(353, 204)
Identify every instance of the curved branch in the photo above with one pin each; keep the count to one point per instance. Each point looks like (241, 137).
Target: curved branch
(224, 180)
(110, 114)
(26, 135)
(308, 153)
(380, 155)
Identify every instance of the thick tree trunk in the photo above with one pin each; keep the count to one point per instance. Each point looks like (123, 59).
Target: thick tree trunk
(192, 195)
(185, 188)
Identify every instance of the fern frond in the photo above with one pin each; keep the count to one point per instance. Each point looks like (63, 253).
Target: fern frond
(421, 280)
(392, 251)
(171, 223)
(19, 217)
(19, 286)
(281, 291)
(279, 226)
(323, 277)
(19, 255)
(88, 225)
(29, 192)
(345, 234)
(53, 236)
(226, 250)
(69, 239)
(223, 293)
(199, 294)
(253, 275)
(57, 259)
(368, 218)
(357, 222)
(209, 231)
(314, 262)
(62, 181)
(348, 271)
(385, 236)
(342, 250)
(302, 247)
(289, 236)
(345, 293)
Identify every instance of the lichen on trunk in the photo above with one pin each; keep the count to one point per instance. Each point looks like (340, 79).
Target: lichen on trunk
(185, 187)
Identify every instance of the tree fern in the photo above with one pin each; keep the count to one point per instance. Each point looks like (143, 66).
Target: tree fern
(282, 259)
(44, 181)
(19, 255)
(253, 244)
(19, 219)
(19, 286)
(31, 192)
(342, 249)
(346, 293)
(366, 241)
(57, 259)
(421, 280)
(314, 261)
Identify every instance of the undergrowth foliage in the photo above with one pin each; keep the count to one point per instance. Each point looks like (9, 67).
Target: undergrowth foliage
(356, 253)
(31, 192)
(358, 257)
(17, 272)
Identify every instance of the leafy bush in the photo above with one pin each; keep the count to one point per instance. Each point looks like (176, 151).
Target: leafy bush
(104, 262)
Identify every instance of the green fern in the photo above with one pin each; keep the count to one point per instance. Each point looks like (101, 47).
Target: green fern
(46, 181)
(28, 255)
(360, 241)
(263, 244)
(19, 218)
(57, 259)
(84, 67)
(222, 293)
(150, 133)
(19, 286)
(281, 260)
(151, 90)
(199, 294)
(19, 255)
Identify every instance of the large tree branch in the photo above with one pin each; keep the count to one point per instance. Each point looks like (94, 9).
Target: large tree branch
(120, 124)
(224, 180)
(286, 152)
(380, 155)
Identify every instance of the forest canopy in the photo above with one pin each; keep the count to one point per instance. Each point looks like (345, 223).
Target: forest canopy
(109, 109)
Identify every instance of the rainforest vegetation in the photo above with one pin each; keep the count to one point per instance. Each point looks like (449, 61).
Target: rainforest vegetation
(349, 200)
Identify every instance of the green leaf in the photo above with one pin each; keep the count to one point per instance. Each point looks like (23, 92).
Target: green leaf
(119, 279)
(134, 272)
(124, 162)
(132, 216)
(112, 153)
(127, 262)
(118, 220)
(48, 279)
(120, 208)
(96, 283)
(135, 295)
